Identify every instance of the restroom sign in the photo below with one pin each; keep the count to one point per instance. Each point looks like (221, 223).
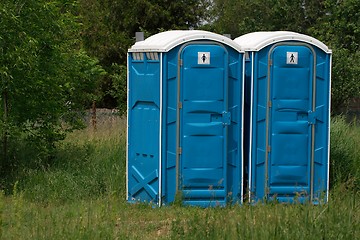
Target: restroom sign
(203, 57)
(291, 57)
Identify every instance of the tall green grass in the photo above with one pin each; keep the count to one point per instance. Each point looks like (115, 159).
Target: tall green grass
(109, 217)
(345, 153)
(80, 194)
(87, 165)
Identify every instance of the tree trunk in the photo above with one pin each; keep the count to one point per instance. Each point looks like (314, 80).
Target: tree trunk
(5, 135)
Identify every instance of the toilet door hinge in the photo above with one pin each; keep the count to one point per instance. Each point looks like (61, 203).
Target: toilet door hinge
(180, 105)
(269, 104)
(226, 118)
(180, 62)
(179, 151)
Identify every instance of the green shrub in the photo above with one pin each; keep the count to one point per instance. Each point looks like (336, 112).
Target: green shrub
(88, 165)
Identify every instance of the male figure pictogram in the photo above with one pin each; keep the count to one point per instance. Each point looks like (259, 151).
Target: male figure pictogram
(292, 58)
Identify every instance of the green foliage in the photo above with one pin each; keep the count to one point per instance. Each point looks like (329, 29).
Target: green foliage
(46, 78)
(110, 26)
(119, 82)
(340, 29)
(109, 30)
(345, 78)
(336, 23)
(80, 169)
(340, 25)
(344, 154)
(240, 17)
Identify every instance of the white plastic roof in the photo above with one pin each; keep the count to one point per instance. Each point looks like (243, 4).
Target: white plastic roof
(165, 41)
(258, 40)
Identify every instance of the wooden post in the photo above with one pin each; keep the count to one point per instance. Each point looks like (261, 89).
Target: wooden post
(93, 115)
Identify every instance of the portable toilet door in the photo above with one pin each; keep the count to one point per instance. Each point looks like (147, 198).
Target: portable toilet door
(288, 75)
(185, 119)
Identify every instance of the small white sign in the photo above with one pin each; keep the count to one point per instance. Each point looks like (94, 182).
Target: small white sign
(203, 57)
(291, 57)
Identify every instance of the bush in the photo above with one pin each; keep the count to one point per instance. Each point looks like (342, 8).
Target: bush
(87, 165)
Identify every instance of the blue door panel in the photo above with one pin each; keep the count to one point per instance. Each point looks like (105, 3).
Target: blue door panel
(204, 194)
(288, 192)
(216, 57)
(206, 178)
(291, 85)
(290, 131)
(292, 116)
(198, 154)
(289, 150)
(201, 84)
(206, 106)
(201, 118)
(202, 131)
(287, 127)
(287, 175)
(295, 105)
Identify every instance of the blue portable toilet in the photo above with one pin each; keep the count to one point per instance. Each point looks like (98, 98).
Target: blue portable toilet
(287, 96)
(185, 119)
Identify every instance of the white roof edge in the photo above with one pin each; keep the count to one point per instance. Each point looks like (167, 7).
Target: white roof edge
(258, 40)
(165, 41)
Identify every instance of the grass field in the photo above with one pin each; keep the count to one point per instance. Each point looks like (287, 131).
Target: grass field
(81, 195)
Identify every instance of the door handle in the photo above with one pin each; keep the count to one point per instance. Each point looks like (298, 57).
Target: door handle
(308, 116)
(224, 118)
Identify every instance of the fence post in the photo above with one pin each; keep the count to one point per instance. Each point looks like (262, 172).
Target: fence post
(93, 115)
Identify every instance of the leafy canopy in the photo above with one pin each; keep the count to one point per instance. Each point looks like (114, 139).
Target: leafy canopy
(46, 77)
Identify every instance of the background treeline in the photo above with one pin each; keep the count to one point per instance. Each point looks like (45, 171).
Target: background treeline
(110, 26)
(59, 56)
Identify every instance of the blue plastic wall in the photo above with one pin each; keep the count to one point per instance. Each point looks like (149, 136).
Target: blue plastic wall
(290, 122)
(143, 130)
(147, 166)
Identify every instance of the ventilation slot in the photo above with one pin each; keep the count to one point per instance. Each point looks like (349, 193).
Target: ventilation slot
(152, 56)
(138, 56)
(247, 56)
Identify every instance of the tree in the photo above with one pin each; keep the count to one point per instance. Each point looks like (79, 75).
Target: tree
(241, 17)
(46, 78)
(110, 28)
(336, 23)
(340, 29)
